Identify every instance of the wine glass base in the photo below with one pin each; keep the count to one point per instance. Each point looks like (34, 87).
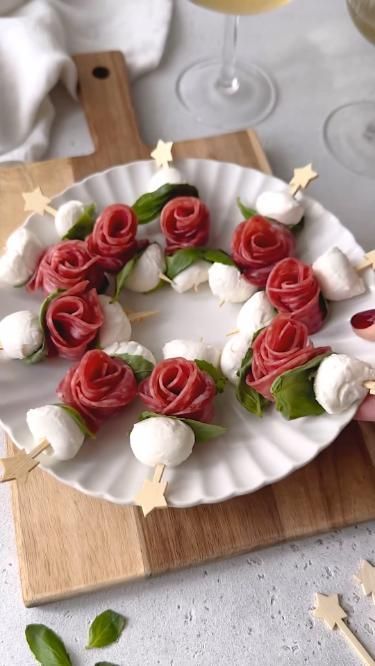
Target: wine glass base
(349, 134)
(249, 101)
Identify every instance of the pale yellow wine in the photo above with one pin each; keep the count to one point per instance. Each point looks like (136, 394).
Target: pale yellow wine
(363, 15)
(241, 6)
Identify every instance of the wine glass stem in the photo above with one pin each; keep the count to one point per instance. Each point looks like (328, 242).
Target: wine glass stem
(228, 82)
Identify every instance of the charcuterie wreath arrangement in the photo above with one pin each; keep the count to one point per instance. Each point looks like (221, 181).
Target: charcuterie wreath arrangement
(268, 358)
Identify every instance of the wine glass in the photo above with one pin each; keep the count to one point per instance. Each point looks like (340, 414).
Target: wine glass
(224, 93)
(349, 131)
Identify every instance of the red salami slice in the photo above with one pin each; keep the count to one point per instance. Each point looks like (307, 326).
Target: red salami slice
(177, 387)
(185, 222)
(73, 321)
(98, 387)
(112, 240)
(64, 265)
(282, 346)
(293, 289)
(257, 245)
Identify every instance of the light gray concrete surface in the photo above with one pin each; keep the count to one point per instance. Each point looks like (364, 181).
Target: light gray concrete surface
(251, 610)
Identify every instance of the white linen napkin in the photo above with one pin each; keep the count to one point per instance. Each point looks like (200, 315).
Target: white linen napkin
(36, 38)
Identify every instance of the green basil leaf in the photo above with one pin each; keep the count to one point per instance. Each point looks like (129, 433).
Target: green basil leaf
(141, 367)
(84, 225)
(149, 206)
(76, 416)
(181, 260)
(297, 228)
(202, 431)
(294, 391)
(245, 211)
(253, 401)
(216, 374)
(47, 648)
(41, 353)
(217, 257)
(105, 663)
(122, 276)
(106, 629)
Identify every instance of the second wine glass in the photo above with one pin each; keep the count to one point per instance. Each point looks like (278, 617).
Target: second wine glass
(225, 93)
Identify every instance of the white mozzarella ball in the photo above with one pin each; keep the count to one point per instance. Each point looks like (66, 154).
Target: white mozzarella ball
(234, 351)
(191, 277)
(56, 426)
(227, 283)
(20, 258)
(67, 215)
(256, 313)
(192, 350)
(116, 326)
(20, 334)
(161, 440)
(132, 348)
(280, 206)
(145, 275)
(165, 176)
(339, 382)
(337, 277)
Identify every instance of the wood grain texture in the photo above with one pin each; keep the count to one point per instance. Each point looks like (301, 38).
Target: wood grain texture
(84, 544)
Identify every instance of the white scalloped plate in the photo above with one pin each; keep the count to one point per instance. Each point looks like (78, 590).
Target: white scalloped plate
(254, 452)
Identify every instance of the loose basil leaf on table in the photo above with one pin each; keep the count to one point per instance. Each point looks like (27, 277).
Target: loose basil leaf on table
(106, 629)
(76, 416)
(105, 663)
(183, 259)
(245, 210)
(216, 374)
(41, 353)
(46, 646)
(123, 275)
(202, 431)
(149, 206)
(141, 367)
(294, 390)
(253, 401)
(84, 225)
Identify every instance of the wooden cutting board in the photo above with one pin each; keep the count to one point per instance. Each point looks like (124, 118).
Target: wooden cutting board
(69, 543)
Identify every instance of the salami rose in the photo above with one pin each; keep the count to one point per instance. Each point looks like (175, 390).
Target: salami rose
(112, 240)
(98, 387)
(177, 387)
(64, 265)
(257, 245)
(185, 222)
(293, 289)
(280, 347)
(73, 321)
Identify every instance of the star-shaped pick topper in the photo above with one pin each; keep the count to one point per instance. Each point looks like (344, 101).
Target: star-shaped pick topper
(367, 261)
(151, 495)
(302, 177)
(366, 577)
(37, 202)
(18, 467)
(162, 154)
(370, 385)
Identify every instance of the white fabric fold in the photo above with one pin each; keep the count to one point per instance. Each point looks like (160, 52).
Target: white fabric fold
(36, 40)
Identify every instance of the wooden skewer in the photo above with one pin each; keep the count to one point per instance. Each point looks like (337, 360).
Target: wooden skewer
(152, 494)
(329, 610)
(234, 332)
(165, 278)
(135, 317)
(367, 261)
(221, 303)
(18, 467)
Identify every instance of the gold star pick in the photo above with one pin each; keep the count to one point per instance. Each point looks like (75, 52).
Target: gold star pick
(37, 202)
(17, 467)
(329, 610)
(370, 385)
(368, 260)
(302, 177)
(366, 575)
(162, 154)
(151, 495)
